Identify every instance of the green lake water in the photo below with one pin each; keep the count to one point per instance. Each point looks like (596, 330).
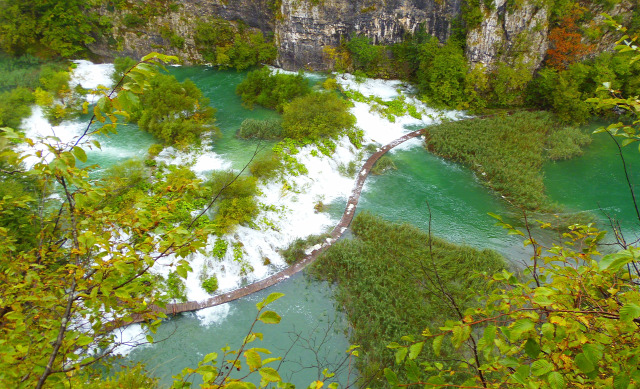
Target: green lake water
(459, 212)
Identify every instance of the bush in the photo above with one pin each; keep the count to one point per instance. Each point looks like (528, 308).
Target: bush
(226, 45)
(260, 129)
(176, 288)
(296, 250)
(210, 285)
(384, 164)
(566, 143)
(155, 149)
(266, 166)
(133, 20)
(15, 105)
(121, 65)
(506, 153)
(317, 115)
(175, 112)
(237, 202)
(271, 90)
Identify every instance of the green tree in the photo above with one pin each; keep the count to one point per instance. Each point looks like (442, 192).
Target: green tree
(175, 112)
(85, 264)
(316, 115)
(47, 28)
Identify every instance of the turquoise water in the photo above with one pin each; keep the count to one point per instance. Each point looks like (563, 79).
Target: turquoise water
(596, 182)
(311, 334)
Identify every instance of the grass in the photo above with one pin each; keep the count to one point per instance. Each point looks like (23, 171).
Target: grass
(382, 284)
(508, 152)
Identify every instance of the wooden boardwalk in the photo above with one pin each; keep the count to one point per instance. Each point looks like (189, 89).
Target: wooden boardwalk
(336, 233)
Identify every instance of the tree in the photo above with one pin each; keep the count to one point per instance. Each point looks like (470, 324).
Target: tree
(78, 268)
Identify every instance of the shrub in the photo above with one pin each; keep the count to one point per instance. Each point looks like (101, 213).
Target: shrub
(260, 129)
(132, 20)
(271, 90)
(506, 152)
(266, 166)
(237, 203)
(175, 112)
(296, 251)
(566, 143)
(316, 115)
(227, 45)
(175, 287)
(15, 105)
(210, 285)
(384, 164)
(121, 65)
(155, 149)
(383, 308)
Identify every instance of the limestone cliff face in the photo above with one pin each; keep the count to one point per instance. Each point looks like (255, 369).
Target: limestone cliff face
(302, 28)
(139, 41)
(507, 35)
(307, 26)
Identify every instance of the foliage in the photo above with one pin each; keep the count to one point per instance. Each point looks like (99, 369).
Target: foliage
(175, 112)
(384, 164)
(565, 42)
(572, 321)
(260, 129)
(382, 280)
(88, 263)
(226, 45)
(566, 143)
(297, 249)
(271, 90)
(121, 65)
(266, 166)
(23, 71)
(15, 105)
(56, 97)
(129, 377)
(210, 285)
(442, 73)
(237, 200)
(506, 152)
(176, 289)
(47, 28)
(316, 115)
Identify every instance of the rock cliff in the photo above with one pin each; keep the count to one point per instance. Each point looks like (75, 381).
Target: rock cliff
(302, 28)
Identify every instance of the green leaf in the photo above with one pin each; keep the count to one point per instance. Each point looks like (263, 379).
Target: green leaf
(270, 298)
(80, 154)
(210, 357)
(415, 350)
(254, 361)
(392, 378)
(413, 372)
(460, 334)
(521, 326)
(593, 352)
(615, 261)
(182, 271)
(269, 317)
(621, 381)
(437, 344)
(541, 367)
(84, 340)
(556, 380)
(583, 363)
(149, 338)
(521, 375)
(236, 385)
(532, 348)
(401, 354)
(269, 374)
(629, 311)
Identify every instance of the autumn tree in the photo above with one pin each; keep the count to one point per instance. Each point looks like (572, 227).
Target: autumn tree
(566, 41)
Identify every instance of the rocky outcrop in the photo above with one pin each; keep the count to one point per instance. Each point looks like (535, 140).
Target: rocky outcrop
(307, 26)
(513, 34)
(506, 35)
(138, 41)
